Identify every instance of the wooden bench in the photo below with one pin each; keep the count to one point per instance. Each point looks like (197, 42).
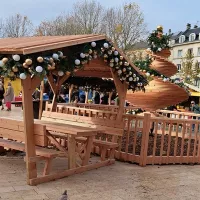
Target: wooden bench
(109, 130)
(12, 137)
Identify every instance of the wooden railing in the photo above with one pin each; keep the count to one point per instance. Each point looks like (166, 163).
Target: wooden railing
(173, 140)
(110, 108)
(178, 115)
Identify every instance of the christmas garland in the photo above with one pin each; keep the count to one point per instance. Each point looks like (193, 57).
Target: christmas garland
(157, 41)
(19, 66)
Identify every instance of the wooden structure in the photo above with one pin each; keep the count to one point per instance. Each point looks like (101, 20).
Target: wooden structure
(159, 94)
(53, 130)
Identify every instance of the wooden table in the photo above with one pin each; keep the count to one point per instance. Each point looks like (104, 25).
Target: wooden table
(70, 132)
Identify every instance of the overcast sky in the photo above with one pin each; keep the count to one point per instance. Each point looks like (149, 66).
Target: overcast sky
(174, 14)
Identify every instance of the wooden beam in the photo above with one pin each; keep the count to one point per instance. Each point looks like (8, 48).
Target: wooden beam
(29, 127)
(71, 87)
(52, 177)
(109, 99)
(121, 90)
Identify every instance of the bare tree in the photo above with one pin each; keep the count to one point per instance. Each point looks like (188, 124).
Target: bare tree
(17, 26)
(125, 25)
(61, 25)
(88, 16)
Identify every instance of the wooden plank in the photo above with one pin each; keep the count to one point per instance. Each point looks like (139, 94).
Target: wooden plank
(189, 141)
(88, 150)
(162, 142)
(183, 139)
(169, 140)
(66, 173)
(155, 140)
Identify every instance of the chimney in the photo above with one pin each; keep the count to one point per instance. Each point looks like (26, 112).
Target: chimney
(188, 26)
(170, 31)
(195, 26)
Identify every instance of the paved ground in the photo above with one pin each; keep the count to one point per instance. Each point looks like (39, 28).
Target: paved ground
(122, 181)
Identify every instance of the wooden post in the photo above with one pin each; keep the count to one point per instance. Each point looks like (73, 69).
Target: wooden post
(145, 139)
(109, 99)
(121, 90)
(41, 99)
(27, 88)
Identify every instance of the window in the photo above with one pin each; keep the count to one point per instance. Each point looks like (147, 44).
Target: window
(179, 67)
(192, 37)
(190, 51)
(180, 53)
(182, 39)
(198, 52)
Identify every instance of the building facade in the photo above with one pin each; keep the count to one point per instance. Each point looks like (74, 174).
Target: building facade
(183, 42)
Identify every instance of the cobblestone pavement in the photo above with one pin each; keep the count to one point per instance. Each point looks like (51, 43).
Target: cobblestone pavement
(121, 181)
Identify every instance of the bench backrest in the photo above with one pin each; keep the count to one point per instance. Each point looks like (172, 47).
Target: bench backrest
(108, 126)
(14, 129)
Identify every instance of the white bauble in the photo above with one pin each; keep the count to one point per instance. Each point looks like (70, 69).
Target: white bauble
(1, 63)
(77, 62)
(82, 55)
(133, 113)
(22, 76)
(119, 71)
(159, 49)
(130, 73)
(130, 79)
(16, 57)
(134, 75)
(39, 69)
(116, 60)
(111, 64)
(55, 56)
(105, 45)
(137, 79)
(93, 44)
(149, 49)
(147, 74)
(116, 53)
(60, 73)
(95, 56)
(60, 54)
(164, 79)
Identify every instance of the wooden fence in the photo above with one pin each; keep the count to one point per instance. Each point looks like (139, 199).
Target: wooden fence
(173, 141)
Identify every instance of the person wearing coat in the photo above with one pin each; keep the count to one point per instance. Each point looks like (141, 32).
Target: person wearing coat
(9, 96)
(2, 91)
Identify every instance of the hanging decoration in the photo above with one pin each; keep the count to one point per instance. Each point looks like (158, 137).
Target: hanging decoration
(19, 66)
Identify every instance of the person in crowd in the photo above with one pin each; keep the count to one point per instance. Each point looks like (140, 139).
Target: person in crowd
(195, 109)
(9, 96)
(2, 91)
(104, 99)
(76, 99)
(36, 94)
(97, 98)
(82, 98)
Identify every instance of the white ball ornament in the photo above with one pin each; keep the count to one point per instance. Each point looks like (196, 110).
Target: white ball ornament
(16, 57)
(39, 69)
(93, 44)
(147, 74)
(159, 49)
(60, 73)
(60, 54)
(137, 79)
(22, 76)
(55, 56)
(119, 71)
(116, 60)
(82, 55)
(111, 64)
(130, 79)
(95, 56)
(77, 62)
(116, 53)
(106, 45)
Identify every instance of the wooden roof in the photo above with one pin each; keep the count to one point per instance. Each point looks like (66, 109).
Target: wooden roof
(28, 45)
